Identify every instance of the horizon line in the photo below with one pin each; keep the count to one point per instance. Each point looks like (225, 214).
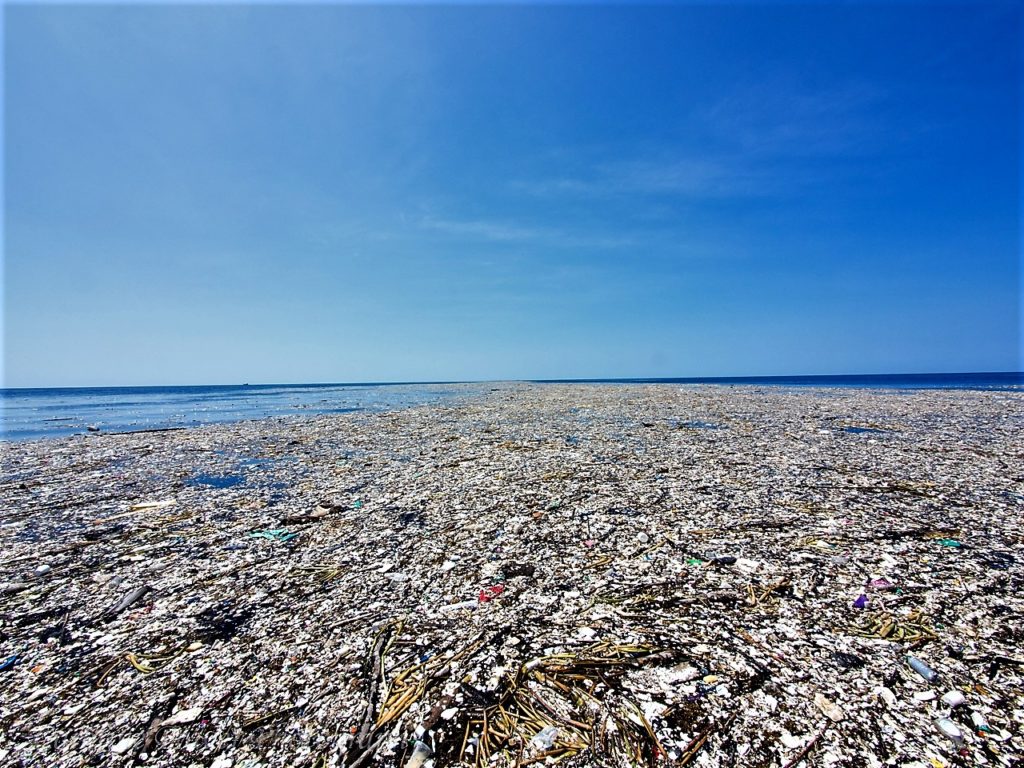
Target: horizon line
(583, 380)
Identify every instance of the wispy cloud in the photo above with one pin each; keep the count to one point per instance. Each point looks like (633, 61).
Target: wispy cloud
(666, 174)
(778, 116)
(484, 229)
(766, 139)
(496, 231)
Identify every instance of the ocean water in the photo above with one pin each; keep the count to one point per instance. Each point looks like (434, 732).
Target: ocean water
(35, 413)
(27, 414)
(995, 381)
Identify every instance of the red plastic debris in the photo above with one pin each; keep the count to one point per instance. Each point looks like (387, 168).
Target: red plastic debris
(489, 593)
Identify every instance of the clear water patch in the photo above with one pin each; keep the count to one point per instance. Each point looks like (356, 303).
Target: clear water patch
(216, 481)
(865, 431)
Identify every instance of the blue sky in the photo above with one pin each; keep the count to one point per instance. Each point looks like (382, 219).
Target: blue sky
(228, 194)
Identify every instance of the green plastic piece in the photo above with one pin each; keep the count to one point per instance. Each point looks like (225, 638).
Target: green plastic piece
(274, 534)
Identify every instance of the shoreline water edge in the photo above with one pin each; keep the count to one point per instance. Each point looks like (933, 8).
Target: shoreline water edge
(514, 574)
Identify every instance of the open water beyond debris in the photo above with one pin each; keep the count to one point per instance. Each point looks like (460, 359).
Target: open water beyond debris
(27, 414)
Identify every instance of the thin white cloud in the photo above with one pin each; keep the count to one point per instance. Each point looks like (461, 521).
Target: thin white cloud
(693, 178)
(496, 231)
(484, 229)
(766, 139)
(780, 117)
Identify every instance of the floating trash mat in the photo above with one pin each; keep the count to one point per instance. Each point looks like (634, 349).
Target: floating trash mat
(254, 461)
(593, 701)
(999, 561)
(913, 627)
(457, 587)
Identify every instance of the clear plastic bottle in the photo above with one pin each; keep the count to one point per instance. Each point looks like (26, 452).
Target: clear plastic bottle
(420, 752)
(979, 723)
(954, 699)
(470, 605)
(950, 730)
(922, 669)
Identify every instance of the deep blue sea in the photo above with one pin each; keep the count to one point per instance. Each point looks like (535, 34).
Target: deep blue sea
(995, 381)
(34, 413)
